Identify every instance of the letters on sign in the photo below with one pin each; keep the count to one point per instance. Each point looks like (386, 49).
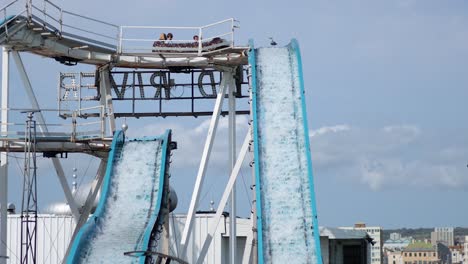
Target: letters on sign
(159, 81)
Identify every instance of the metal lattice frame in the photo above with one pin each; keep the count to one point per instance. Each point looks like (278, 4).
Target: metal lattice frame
(29, 201)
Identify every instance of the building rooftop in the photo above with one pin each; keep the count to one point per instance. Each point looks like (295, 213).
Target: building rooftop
(339, 233)
(419, 246)
(405, 240)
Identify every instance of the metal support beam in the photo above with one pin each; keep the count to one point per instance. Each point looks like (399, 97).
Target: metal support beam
(43, 128)
(203, 165)
(232, 162)
(249, 243)
(106, 96)
(86, 211)
(165, 238)
(4, 157)
(227, 191)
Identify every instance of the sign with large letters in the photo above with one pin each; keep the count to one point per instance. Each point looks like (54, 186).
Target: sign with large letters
(164, 93)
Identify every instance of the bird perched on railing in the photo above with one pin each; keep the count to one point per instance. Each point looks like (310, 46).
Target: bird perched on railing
(272, 42)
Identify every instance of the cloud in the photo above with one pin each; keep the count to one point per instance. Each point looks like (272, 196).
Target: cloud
(396, 156)
(389, 157)
(329, 129)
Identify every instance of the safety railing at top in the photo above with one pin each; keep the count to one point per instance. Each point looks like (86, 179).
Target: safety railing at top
(121, 39)
(197, 40)
(77, 130)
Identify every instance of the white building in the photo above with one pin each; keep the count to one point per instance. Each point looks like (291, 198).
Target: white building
(393, 257)
(375, 232)
(442, 235)
(465, 250)
(457, 254)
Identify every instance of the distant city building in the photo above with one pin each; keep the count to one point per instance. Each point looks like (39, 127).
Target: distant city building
(375, 232)
(465, 249)
(442, 235)
(444, 253)
(420, 252)
(395, 236)
(393, 257)
(457, 254)
(397, 242)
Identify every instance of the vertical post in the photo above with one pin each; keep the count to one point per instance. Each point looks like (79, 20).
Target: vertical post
(61, 21)
(232, 32)
(203, 165)
(119, 39)
(200, 46)
(29, 201)
(232, 161)
(4, 157)
(165, 240)
(79, 93)
(106, 95)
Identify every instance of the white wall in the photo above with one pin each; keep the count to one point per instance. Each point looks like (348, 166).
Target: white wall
(54, 233)
(53, 236)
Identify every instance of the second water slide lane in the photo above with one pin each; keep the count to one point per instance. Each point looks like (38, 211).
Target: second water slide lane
(131, 207)
(287, 218)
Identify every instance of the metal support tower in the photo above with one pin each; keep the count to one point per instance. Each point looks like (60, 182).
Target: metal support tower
(29, 201)
(44, 130)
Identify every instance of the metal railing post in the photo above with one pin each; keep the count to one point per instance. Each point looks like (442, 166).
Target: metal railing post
(119, 39)
(200, 46)
(232, 32)
(61, 21)
(44, 11)
(103, 120)
(73, 134)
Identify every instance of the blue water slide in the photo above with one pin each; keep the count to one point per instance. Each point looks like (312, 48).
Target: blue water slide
(286, 209)
(132, 203)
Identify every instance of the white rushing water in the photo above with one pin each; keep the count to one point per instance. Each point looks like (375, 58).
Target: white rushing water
(286, 198)
(132, 198)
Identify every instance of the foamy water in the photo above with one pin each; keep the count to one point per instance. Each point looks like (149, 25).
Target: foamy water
(132, 197)
(286, 198)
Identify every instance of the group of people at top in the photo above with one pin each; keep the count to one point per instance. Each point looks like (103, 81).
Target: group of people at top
(168, 37)
(165, 41)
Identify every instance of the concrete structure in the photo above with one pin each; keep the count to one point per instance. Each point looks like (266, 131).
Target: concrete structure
(420, 252)
(375, 232)
(341, 246)
(442, 235)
